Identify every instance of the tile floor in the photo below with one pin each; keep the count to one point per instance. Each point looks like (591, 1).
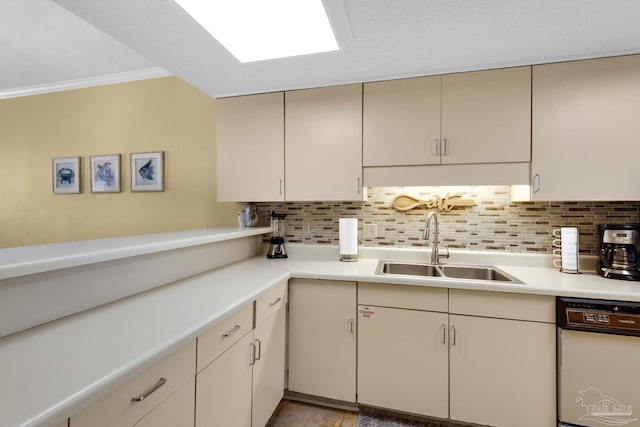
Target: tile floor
(298, 414)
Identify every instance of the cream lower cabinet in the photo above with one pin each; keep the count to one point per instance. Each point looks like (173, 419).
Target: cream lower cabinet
(502, 372)
(403, 360)
(322, 338)
(244, 383)
(502, 359)
(177, 410)
(493, 365)
(64, 424)
(269, 367)
(168, 382)
(224, 388)
(403, 353)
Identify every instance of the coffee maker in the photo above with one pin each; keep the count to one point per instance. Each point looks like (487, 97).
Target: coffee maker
(276, 243)
(619, 251)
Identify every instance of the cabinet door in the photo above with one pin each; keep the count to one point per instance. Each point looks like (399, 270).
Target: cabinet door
(323, 130)
(585, 129)
(502, 372)
(223, 390)
(401, 122)
(268, 371)
(176, 411)
(403, 360)
(322, 338)
(486, 116)
(250, 148)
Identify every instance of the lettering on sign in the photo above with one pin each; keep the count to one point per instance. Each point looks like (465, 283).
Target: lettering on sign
(403, 202)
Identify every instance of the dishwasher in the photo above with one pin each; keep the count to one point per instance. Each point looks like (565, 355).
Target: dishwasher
(598, 362)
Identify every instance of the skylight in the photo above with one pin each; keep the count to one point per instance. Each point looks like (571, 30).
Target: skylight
(256, 30)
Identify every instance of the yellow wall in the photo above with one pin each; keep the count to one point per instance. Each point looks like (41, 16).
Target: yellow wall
(153, 115)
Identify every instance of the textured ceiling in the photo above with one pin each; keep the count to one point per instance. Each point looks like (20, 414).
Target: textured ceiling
(379, 39)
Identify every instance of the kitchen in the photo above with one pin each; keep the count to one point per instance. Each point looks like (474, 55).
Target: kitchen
(87, 112)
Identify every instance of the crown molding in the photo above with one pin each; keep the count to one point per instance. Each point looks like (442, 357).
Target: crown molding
(128, 76)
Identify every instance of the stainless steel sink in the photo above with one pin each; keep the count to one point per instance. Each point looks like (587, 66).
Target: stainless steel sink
(411, 269)
(453, 272)
(476, 273)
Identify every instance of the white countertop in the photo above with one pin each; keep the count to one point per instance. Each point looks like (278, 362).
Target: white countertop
(54, 370)
(23, 260)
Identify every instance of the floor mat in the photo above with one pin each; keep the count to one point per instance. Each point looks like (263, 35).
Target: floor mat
(297, 414)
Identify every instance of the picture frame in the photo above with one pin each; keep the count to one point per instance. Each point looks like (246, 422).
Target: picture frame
(65, 177)
(147, 171)
(105, 173)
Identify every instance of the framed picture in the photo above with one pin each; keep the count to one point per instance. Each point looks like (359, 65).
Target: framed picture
(105, 174)
(147, 171)
(66, 175)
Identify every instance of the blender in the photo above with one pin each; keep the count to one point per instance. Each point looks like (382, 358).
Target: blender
(276, 246)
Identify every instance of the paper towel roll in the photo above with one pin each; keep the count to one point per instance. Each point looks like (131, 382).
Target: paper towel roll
(348, 239)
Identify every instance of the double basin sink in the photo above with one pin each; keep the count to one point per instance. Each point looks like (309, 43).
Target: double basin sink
(445, 271)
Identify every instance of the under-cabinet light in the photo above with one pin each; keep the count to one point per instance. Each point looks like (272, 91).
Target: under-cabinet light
(255, 30)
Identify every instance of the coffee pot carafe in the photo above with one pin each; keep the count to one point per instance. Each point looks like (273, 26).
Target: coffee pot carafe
(619, 251)
(276, 243)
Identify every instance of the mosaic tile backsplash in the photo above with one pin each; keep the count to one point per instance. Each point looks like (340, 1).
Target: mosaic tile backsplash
(495, 222)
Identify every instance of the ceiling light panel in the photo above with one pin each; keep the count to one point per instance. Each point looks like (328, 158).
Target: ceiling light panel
(256, 30)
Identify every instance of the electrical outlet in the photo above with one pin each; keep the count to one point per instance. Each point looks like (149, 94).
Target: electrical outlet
(306, 228)
(370, 230)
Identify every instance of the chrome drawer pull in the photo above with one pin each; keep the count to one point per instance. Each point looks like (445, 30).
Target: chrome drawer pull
(258, 348)
(275, 302)
(162, 381)
(231, 332)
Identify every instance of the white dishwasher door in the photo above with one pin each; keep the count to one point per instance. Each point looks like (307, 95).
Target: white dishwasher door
(599, 379)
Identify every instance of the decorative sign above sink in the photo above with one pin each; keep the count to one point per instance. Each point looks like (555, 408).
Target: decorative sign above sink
(403, 202)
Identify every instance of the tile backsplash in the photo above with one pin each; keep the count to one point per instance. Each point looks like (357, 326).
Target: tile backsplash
(494, 223)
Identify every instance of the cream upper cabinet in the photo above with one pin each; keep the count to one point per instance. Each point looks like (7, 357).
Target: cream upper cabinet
(250, 148)
(322, 338)
(586, 127)
(323, 134)
(486, 116)
(474, 117)
(401, 121)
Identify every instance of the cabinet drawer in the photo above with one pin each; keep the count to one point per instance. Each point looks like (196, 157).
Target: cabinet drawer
(216, 340)
(271, 302)
(117, 408)
(176, 411)
(536, 308)
(401, 296)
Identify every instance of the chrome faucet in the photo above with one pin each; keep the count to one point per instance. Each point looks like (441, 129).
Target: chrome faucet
(435, 255)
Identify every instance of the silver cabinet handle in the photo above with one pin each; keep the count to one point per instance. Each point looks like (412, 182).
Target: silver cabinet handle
(536, 183)
(453, 334)
(445, 147)
(281, 182)
(231, 332)
(258, 349)
(162, 381)
(271, 304)
(351, 325)
(252, 354)
(436, 147)
(358, 186)
(444, 333)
